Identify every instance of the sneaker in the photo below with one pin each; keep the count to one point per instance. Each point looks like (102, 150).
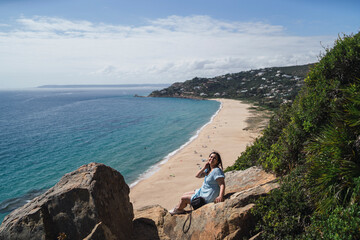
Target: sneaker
(176, 211)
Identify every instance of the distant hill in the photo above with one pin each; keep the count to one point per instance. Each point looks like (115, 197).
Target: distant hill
(104, 86)
(267, 86)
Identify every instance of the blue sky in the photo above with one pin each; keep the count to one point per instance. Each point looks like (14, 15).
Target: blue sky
(161, 41)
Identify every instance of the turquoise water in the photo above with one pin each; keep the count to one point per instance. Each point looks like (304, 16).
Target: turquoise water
(47, 133)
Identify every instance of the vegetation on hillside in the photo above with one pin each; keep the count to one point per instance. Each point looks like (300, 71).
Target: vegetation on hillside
(314, 146)
(267, 87)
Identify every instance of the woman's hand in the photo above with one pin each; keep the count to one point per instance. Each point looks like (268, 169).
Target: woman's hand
(201, 172)
(219, 199)
(207, 165)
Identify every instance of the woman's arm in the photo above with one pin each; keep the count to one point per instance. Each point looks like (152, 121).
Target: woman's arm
(221, 182)
(201, 173)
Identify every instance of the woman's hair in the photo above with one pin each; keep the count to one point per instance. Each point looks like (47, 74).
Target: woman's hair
(218, 158)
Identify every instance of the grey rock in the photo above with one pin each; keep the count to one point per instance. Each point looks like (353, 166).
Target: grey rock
(92, 199)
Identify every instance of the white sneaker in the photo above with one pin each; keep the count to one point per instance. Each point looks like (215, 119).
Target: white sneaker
(176, 211)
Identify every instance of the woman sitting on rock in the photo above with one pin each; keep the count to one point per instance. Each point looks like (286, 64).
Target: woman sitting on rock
(213, 188)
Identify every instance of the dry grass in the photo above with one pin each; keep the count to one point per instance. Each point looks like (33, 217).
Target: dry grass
(259, 119)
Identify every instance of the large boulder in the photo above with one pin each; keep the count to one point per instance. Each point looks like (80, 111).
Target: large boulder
(91, 202)
(149, 223)
(230, 219)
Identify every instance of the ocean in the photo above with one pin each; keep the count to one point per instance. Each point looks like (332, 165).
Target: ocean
(45, 133)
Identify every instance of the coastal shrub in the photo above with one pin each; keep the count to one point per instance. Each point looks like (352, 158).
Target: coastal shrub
(333, 155)
(311, 107)
(311, 110)
(342, 62)
(316, 148)
(333, 164)
(321, 97)
(285, 212)
(340, 223)
(352, 107)
(272, 161)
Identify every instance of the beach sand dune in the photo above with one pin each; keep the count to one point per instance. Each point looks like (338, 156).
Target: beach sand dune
(227, 134)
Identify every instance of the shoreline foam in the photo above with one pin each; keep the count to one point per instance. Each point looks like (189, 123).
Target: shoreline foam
(225, 132)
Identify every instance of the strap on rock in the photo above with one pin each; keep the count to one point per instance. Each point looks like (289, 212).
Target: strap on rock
(188, 218)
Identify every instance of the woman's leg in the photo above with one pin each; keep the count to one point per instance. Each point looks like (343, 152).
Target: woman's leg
(185, 200)
(189, 193)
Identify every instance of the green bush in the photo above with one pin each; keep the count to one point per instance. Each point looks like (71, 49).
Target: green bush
(319, 137)
(285, 212)
(333, 155)
(332, 167)
(341, 223)
(342, 62)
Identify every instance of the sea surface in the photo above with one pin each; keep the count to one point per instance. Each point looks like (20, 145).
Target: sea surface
(45, 133)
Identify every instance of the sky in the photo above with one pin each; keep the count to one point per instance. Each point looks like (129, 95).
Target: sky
(46, 42)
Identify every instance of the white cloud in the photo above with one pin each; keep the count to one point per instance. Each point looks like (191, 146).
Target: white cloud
(45, 50)
(107, 70)
(54, 24)
(207, 25)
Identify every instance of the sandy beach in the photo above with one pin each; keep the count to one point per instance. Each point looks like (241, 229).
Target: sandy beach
(228, 134)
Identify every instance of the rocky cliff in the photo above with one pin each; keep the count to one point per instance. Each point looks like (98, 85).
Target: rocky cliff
(93, 203)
